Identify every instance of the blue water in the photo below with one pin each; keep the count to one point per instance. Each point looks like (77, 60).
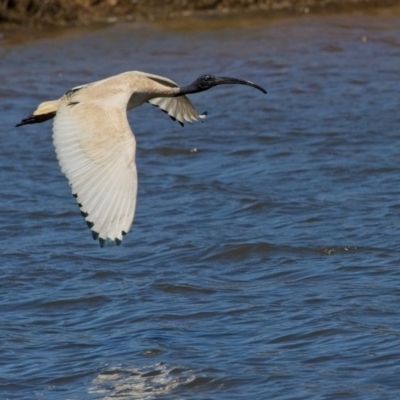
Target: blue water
(264, 260)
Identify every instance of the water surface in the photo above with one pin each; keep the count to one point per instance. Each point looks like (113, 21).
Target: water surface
(264, 258)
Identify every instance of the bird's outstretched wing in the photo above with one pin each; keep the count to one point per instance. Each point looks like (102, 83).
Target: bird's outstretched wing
(178, 108)
(96, 151)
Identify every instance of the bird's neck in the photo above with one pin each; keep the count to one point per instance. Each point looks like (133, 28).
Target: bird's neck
(184, 90)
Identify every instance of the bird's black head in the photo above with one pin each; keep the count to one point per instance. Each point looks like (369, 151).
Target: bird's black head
(206, 82)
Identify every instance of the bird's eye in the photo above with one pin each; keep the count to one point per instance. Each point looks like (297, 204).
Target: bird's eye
(206, 80)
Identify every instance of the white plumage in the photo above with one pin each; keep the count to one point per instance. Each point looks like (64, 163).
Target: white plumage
(96, 147)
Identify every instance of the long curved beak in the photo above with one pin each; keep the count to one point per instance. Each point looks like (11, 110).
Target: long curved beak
(235, 81)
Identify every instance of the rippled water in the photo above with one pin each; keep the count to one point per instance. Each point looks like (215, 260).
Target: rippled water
(264, 259)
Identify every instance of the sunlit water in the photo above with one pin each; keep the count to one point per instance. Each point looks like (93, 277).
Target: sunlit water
(264, 261)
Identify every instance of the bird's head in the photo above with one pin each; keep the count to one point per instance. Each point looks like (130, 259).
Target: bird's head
(206, 82)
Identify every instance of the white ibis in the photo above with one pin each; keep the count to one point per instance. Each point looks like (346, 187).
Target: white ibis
(95, 145)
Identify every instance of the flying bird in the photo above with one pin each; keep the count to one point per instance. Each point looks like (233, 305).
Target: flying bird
(95, 145)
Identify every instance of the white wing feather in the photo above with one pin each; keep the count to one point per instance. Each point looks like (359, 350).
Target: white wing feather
(178, 108)
(96, 151)
(96, 147)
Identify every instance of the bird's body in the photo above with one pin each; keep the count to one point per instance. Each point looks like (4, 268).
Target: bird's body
(96, 147)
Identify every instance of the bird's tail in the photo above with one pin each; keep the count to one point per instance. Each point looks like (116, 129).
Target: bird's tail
(45, 111)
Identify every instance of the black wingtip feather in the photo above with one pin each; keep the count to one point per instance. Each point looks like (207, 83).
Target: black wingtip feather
(35, 119)
(30, 119)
